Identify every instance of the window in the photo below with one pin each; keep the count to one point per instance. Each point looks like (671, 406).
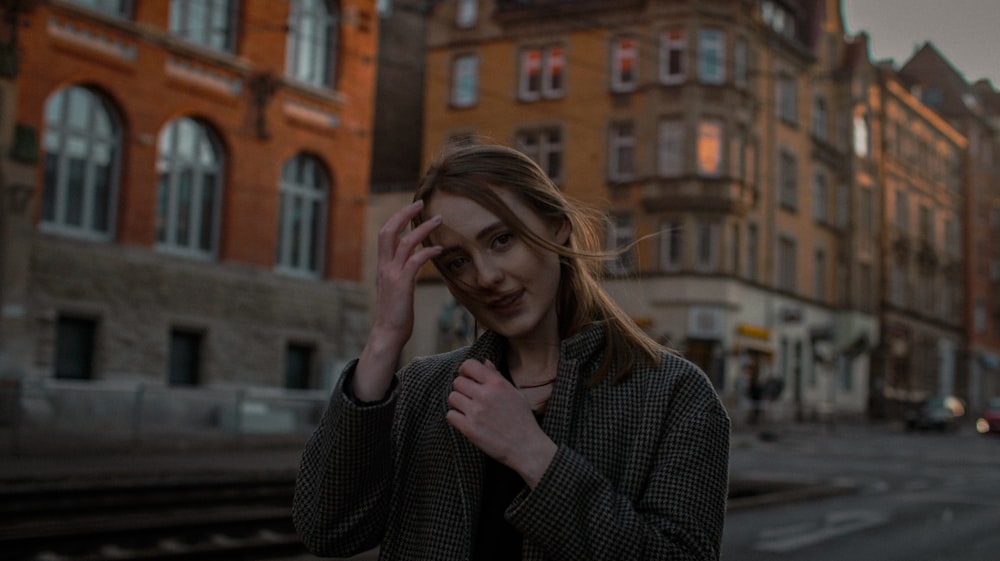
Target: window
(302, 215)
(786, 264)
(708, 246)
(545, 147)
(671, 148)
(843, 205)
(208, 23)
(465, 81)
(673, 49)
(298, 366)
(82, 143)
(788, 100)
(752, 235)
(819, 270)
(621, 152)
(711, 56)
(862, 137)
(740, 63)
(710, 145)
(117, 8)
(867, 210)
(541, 73)
(738, 159)
(74, 357)
(621, 237)
(190, 188)
(184, 368)
(624, 64)
(467, 13)
(952, 244)
(734, 250)
(671, 246)
(788, 178)
(926, 225)
(312, 41)
(819, 120)
(821, 196)
(902, 212)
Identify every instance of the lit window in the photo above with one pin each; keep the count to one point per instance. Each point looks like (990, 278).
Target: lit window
(208, 23)
(671, 148)
(673, 49)
(541, 73)
(190, 188)
(710, 147)
(312, 41)
(82, 143)
(625, 53)
(465, 81)
(862, 137)
(302, 215)
(711, 56)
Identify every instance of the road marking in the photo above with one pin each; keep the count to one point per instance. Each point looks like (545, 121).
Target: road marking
(834, 524)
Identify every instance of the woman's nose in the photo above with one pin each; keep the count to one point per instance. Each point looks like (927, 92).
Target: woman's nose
(487, 273)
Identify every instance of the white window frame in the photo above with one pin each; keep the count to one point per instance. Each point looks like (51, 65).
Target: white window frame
(670, 148)
(203, 159)
(303, 199)
(82, 134)
(312, 41)
(673, 46)
(711, 56)
(671, 246)
(624, 64)
(621, 151)
(465, 81)
(621, 235)
(550, 64)
(543, 145)
(466, 14)
(207, 23)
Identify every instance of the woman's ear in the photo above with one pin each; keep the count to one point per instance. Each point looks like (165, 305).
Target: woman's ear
(563, 232)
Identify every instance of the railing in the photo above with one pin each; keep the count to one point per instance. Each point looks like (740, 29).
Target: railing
(60, 414)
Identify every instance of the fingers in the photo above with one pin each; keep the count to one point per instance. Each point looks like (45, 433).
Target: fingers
(478, 371)
(391, 237)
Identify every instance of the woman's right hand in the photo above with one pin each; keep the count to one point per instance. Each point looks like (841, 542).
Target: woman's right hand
(400, 257)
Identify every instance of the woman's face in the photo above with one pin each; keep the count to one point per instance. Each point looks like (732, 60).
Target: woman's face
(507, 284)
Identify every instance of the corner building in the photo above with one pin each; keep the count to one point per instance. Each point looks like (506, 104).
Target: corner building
(200, 174)
(729, 142)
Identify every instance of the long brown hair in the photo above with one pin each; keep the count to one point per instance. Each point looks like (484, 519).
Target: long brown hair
(476, 171)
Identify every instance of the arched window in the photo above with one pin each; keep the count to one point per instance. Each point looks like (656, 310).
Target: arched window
(312, 41)
(190, 188)
(82, 145)
(305, 187)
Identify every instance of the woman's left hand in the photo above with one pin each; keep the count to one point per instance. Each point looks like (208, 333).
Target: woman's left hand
(498, 420)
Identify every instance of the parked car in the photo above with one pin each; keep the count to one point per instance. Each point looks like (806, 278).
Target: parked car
(989, 420)
(940, 412)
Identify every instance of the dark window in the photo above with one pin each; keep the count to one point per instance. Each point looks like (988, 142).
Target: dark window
(298, 366)
(75, 348)
(185, 358)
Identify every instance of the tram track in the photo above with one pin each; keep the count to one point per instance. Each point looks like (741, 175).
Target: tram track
(218, 518)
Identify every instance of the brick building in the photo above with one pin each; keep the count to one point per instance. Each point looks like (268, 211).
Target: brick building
(199, 173)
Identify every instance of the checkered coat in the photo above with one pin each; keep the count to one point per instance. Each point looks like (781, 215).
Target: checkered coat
(641, 470)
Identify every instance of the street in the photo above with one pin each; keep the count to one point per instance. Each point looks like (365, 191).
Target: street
(916, 497)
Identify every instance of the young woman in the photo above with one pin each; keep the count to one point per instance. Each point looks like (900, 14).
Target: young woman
(563, 432)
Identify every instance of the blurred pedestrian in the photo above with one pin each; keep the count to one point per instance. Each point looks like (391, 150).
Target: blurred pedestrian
(562, 432)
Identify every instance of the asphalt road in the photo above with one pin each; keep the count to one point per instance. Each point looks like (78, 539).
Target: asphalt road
(913, 497)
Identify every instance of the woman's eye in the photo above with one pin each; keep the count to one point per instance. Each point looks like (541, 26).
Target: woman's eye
(503, 240)
(456, 264)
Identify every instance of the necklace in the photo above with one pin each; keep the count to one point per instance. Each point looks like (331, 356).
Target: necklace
(545, 383)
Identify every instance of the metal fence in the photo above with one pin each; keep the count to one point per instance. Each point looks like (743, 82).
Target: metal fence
(57, 414)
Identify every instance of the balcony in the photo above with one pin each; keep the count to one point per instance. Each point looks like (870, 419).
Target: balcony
(696, 194)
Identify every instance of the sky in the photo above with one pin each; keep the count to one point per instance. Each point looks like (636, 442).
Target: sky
(966, 32)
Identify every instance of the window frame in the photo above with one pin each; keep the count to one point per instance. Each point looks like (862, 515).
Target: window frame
(460, 98)
(550, 63)
(621, 235)
(180, 23)
(622, 145)
(673, 48)
(703, 146)
(670, 147)
(545, 146)
(324, 47)
(711, 56)
(671, 245)
(314, 201)
(59, 193)
(624, 64)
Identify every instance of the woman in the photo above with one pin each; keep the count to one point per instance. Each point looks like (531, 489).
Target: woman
(563, 432)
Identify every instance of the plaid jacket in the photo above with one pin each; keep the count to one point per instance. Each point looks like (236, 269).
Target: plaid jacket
(641, 471)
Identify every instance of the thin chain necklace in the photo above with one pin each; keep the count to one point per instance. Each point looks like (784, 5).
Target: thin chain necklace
(545, 383)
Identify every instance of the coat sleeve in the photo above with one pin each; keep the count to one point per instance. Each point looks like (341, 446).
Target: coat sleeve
(343, 486)
(575, 513)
